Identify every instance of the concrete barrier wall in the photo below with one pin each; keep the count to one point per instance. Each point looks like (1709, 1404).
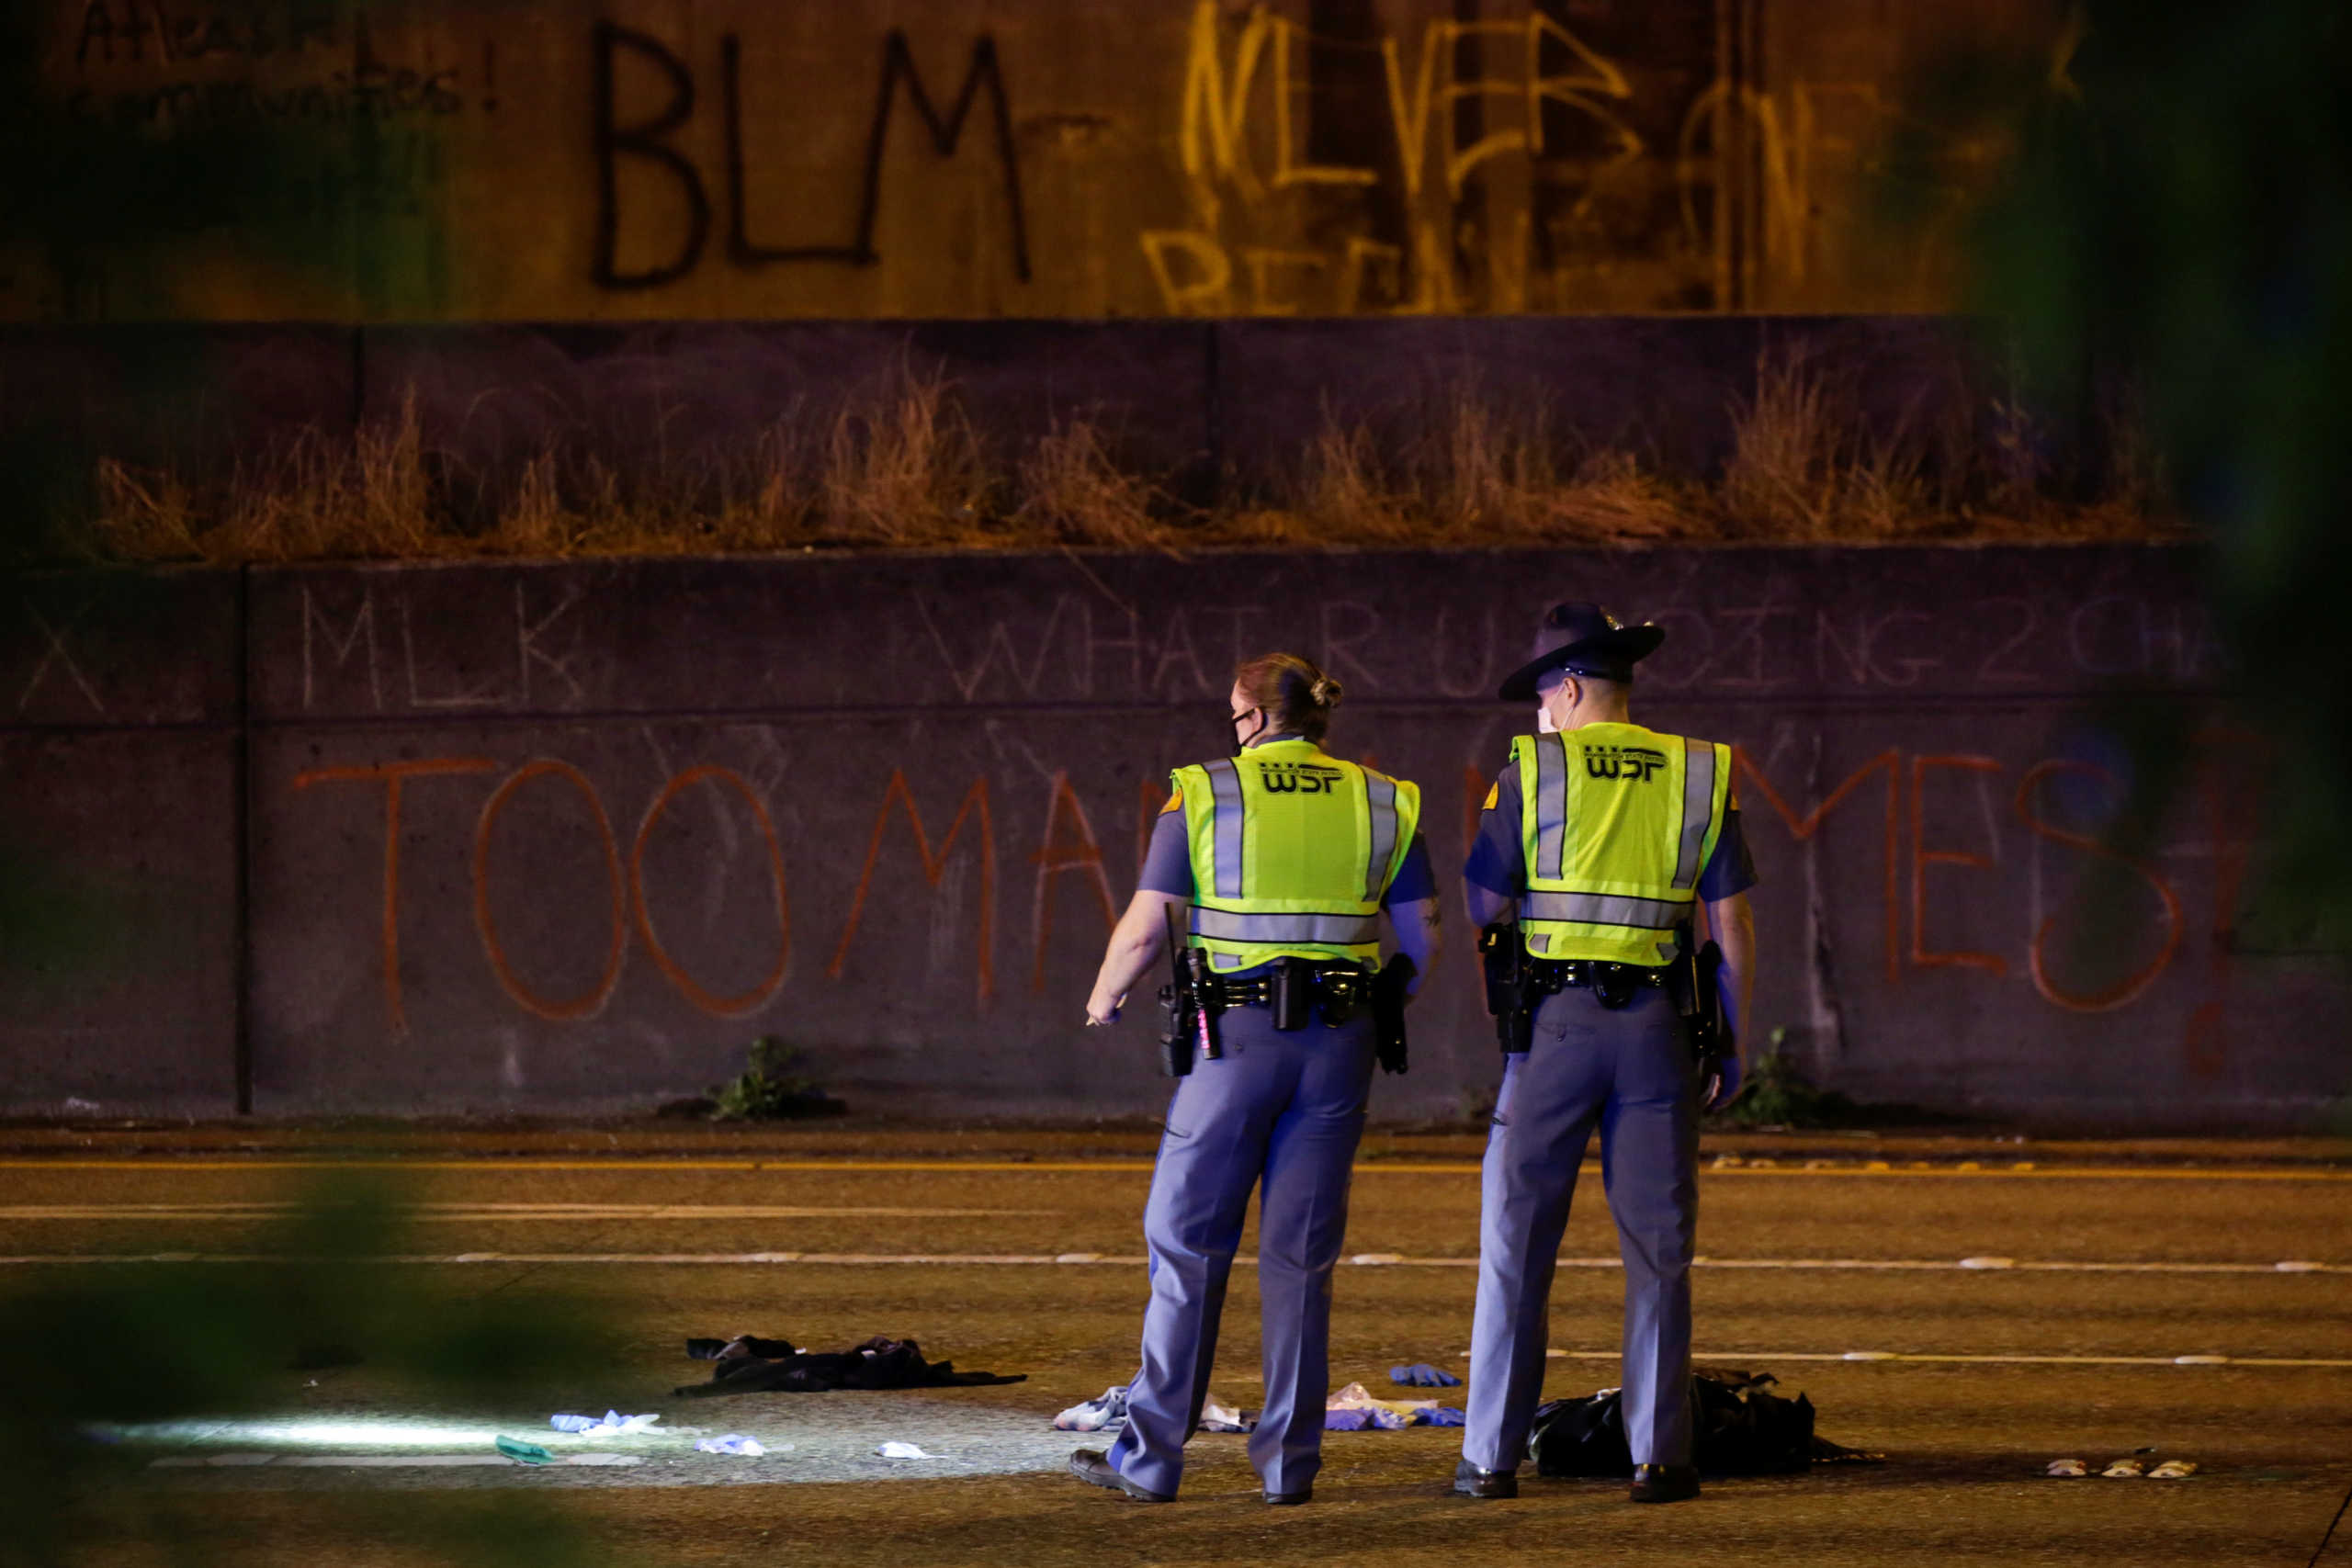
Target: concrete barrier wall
(673, 409)
(120, 850)
(656, 160)
(561, 837)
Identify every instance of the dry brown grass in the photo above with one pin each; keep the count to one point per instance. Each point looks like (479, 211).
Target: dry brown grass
(1473, 476)
(1612, 498)
(312, 499)
(1343, 491)
(1074, 494)
(1484, 475)
(901, 465)
(1807, 464)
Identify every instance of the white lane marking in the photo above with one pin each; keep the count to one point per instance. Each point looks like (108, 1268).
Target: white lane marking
(500, 1212)
(1362, 1259)
(1731, 1164)
(374, 1462)
(1937, 1356)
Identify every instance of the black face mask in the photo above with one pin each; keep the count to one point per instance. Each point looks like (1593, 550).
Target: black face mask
(1238, 742)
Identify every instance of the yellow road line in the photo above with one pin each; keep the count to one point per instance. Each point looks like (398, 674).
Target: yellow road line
(499, 1213)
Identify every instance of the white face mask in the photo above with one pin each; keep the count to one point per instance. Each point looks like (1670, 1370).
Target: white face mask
(1545, 724)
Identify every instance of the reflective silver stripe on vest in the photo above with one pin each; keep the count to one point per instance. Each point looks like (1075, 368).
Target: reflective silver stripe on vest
(1225, 791)
(1381, 799)
(1551, 806)
(1698, 807)
(1320, 931)
(1603, 910)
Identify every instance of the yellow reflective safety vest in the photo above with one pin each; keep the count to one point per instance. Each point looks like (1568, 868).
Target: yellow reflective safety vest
(1291, 850)
(1616, 822)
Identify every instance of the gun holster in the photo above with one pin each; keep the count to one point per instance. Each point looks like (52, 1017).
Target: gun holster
(1694, 980)
(1175, 1032)
(1503, 958)
(1291, 993)
(1388, 998)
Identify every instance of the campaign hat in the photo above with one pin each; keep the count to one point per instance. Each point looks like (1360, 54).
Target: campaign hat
(1583, 639)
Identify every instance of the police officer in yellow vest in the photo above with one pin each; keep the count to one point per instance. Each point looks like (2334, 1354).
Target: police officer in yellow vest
(1282, 856)
(1604, 837)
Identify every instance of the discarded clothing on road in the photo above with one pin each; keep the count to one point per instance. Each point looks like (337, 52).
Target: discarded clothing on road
(1108, 1412)
(1096, 1414)
(748, 1364)
(1742, 1430)
(1217, 1415)
(1353, 1409)
(613, 1424)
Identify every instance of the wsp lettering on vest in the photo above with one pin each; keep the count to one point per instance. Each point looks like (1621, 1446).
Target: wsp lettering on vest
(1632, 763)
(1302, 778)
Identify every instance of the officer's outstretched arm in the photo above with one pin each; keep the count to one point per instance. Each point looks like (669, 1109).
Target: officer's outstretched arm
(1135, 943)
(1419, 937)
(1733, 925)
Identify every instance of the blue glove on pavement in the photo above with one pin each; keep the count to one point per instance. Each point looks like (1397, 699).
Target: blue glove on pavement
(1420, 1374)
(1441, 1416)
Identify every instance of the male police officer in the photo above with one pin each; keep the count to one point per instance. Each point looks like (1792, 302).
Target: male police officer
(1604, 834)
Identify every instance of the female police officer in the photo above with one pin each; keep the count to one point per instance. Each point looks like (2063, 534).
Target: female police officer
(1284, 855)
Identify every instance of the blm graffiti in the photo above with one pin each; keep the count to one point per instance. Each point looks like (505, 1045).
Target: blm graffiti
(647, 146)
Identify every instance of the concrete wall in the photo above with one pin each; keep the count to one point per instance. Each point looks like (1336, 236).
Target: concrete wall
(120, 848)
(672, 407)
(568, 836)
(659, 160)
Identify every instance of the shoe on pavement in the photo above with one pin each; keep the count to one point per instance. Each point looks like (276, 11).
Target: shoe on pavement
(1472, 1482)
(1304, 1494)
(1090, 1466)
(1665, 1482)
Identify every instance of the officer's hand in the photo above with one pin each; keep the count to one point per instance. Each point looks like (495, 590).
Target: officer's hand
(1723, 1082)
(1099, 1017)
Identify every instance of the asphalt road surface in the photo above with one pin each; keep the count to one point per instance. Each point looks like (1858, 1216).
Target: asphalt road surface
(1972, 1312)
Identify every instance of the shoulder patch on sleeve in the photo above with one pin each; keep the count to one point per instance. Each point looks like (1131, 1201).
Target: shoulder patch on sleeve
(1494, 793)
(1175, 802)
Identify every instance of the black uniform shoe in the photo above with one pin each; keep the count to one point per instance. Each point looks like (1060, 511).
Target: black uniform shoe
(1472, 1482)
(1090, 1466)
(1304, 1494)
(1665, 1482)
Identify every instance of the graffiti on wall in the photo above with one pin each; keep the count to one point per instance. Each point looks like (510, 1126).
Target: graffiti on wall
(1947, 831)
(1192, 157)
(650, 144)
(1503, 164)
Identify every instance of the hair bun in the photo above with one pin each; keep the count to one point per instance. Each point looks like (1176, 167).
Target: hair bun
(1325, 692)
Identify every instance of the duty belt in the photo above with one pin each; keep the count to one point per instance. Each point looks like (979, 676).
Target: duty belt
(1291, 986)
(1611, 984)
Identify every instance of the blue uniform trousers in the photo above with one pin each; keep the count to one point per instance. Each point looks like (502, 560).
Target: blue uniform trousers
(1630, 1073)
(1286, 1110)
